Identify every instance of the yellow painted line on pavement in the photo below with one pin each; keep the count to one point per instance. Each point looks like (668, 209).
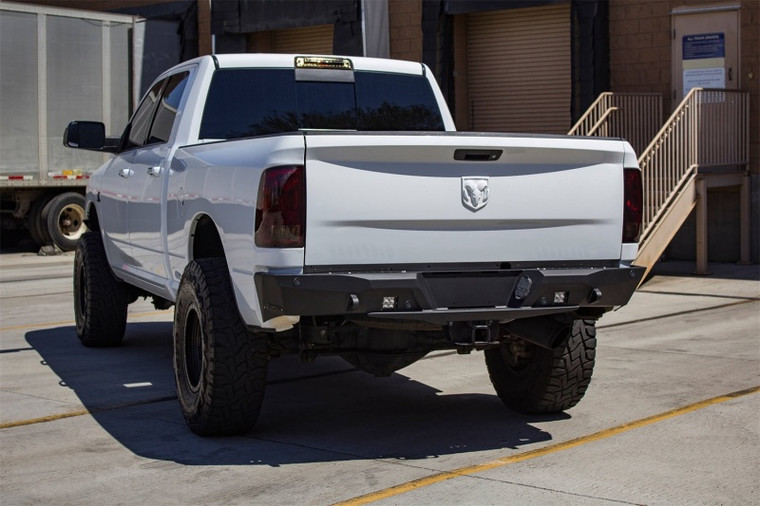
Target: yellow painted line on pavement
(43, 419)
(36, 325)
(71, 322)
(539, 452)
(81, 412)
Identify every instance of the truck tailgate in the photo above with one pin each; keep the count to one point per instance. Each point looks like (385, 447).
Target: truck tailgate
(399, 199)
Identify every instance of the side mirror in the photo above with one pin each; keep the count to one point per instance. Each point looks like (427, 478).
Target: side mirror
(86, 135)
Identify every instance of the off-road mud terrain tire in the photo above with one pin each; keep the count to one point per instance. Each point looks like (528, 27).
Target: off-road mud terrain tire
(100, 300)
(220, 367)
(549, 381)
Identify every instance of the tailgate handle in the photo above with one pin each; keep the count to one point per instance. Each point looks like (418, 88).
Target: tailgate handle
(477, 155)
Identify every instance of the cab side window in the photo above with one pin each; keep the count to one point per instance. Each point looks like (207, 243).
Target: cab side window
(166, 111)
(153, 121)
(137, 129)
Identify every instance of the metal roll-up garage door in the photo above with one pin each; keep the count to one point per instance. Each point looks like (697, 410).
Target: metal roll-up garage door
(519, 69)
(310, 39)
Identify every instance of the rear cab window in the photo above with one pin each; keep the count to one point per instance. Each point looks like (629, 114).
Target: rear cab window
(246, 102)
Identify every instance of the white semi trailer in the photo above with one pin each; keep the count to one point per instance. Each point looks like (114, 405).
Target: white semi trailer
(54, 64)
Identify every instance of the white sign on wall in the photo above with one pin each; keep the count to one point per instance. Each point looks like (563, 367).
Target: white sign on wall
(704, 61)
(704, 78)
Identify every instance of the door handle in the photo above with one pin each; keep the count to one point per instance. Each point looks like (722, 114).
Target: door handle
(730, 73)
(154, 171)
(126, 172)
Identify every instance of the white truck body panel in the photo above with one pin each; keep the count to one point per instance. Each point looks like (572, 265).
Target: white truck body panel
(398, 199)
(221, 180)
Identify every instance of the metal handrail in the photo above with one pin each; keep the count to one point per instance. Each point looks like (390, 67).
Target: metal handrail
(708, 132)
(637, 117)
(595, 110)
(709, 128)
(602, 120)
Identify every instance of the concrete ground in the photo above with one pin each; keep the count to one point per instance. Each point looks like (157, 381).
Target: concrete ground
(671, 416)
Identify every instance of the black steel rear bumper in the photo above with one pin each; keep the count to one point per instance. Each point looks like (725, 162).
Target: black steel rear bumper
(445, 296)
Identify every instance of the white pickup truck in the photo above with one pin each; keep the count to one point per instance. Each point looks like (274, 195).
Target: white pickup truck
(291, 204)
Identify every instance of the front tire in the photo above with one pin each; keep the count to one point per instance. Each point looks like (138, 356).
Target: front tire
(220, 367)
(531, 379)
(100, 300)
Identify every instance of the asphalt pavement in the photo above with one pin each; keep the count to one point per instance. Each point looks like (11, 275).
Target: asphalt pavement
(671, 416)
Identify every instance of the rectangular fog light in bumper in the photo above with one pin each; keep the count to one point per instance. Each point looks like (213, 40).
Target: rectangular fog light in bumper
(389, 303)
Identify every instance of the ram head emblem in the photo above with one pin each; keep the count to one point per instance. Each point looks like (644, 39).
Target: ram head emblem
(475, 192)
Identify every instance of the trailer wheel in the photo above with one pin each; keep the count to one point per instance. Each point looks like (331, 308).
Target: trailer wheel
(220, 367)
(100, 300)
(65, 220)
(36, 222)
(531, 379)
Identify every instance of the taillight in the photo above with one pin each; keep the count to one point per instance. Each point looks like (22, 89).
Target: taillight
(281, 208)
(633, 205)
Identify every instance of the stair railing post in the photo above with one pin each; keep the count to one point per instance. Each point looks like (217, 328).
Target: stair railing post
(745, 220)
(701, 226)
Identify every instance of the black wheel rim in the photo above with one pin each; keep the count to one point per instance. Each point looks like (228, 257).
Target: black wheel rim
(193, 350)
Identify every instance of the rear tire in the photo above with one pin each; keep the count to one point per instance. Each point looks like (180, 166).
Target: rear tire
(220, 367)
(531, 379)
(100, 300)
